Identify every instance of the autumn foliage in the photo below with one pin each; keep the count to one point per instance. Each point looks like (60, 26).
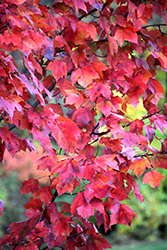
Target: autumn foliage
(84, 62)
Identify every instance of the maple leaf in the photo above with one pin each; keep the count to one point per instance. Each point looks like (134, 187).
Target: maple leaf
(45, 194)
(82, 116)
(97, 242)
(52, 212)
(61, 226)
(33, 214)
(112, 45)
(66, 134)
(128, 33)
(139, 166)
(84, 209)
(74, 97)
(41, 230)
(31, 185)
(59, 69)
(153, 179)
(126, 214)
(106, 161)
(35, 204)
(84, 76)
(43, 139)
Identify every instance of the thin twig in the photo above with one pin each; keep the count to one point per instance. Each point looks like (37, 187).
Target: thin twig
(85, 15)
(72, 236)
(101, 56)
(145, 117)
(153, 25)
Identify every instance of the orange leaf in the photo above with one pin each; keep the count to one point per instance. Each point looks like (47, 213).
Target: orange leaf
(153, 179)
(139, 166)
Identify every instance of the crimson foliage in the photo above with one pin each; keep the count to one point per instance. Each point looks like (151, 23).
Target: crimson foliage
(84, 62)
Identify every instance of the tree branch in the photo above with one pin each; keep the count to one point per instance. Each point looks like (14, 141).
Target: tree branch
(145, 117)
(71, 236)
(85, 15)
(158, 25)
(153, 25)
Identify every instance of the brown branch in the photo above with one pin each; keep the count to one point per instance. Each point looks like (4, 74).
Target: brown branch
(136, 156)
(145, 117)
(96, 133)
(72, 236)
(94, 128)
(153, 25)
(158, 25)
(93, 142)
(85, 15)
(150, 154)
(100, 134)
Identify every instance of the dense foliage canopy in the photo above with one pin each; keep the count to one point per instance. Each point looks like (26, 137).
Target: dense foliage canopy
(68, 73)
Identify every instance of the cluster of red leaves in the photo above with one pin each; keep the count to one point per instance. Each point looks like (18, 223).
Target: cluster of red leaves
(84, 55)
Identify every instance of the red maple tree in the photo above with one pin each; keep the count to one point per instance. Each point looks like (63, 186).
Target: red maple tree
(84, 62)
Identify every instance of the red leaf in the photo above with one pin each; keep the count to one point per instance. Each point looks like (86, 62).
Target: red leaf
(52, 212)
(97, 242)
(56, 108)
(74, 97)
(106, 107)
(126, 214)
(35, 204)
(84, 76)
(81, 206)
(45, 194)
(112, 45)
(137, 127)
(59, 69)
(43, 139)
(156, 87)
(36, 65)
(150, 132)
(99, 67)
(82, 116)
(61, 226)
(31, 185)
(31, 246)
(113, 144)
(128, 33)
(41, 230)
(33, 214)
(106, 162)
(153, 179)
(66, 134)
